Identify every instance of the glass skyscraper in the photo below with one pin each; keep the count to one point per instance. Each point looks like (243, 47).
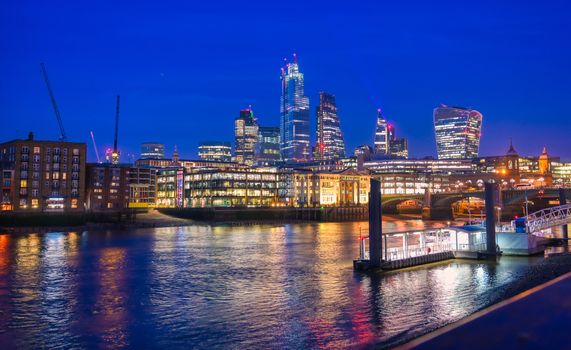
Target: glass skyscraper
(294, 123)
(246, 137)
(329, 138)
(457, 132)
(268, 146)
(381, 135)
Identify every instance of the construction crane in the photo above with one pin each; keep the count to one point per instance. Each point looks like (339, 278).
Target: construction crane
(116, 153)
(63, 136)
(95, 147)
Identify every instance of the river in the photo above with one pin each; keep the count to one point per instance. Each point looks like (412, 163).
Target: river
(267, 286)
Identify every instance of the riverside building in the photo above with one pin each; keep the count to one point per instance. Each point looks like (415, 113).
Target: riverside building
(329, 138)
(42, 176)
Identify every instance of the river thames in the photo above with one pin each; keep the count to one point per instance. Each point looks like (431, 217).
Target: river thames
(266, 286)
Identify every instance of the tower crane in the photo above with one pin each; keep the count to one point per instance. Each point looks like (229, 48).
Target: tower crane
(95, 147)
(63, 136)
(115, 154)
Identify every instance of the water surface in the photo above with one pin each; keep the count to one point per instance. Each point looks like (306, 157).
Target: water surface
(283, 286)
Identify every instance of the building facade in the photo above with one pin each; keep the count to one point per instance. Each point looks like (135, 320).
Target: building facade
(246, 137)
(268, 146)
(43, 176)
(457, 132)
(215, 151)
(381, 135)
(107, 186)
(152, 150)
(246, 187)
(399, 148)
(142, 187)
(344, 188)
(170, 187)
(294, 108)
(329, 138)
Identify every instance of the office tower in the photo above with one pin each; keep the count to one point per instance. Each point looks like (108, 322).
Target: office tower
(399, 148)
(246, 137)
(381, 135)
(46, 176)
(152, 150)
(457, 132)
(268, 146)
(329, 138)
(215, 151)
(294, 123)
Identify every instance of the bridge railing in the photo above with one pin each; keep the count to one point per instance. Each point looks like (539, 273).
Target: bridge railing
(549, 217)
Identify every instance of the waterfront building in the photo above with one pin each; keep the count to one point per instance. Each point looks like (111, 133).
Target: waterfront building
(294, 122)
(457, 132)
(246, 137)
(427, 166)
(408, 183)
(239, 187)
(187, 164)
(170, 187)
(268, 146)
(142, 187)
(562, 174)
(152, 150)
(107, 186)
(344, 188)
(399, 148)
(381, 135)
(42, 176)
(215, 151)
(329, 138)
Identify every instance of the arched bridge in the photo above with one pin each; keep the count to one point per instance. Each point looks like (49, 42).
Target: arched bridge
(549, 217)
(440, 204)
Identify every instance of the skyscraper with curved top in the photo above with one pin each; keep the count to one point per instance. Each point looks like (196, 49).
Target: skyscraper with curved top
(458, 131)
(294, 123)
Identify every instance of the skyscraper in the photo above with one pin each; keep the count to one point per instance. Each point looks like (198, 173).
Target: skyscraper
(268, 146)
(329, 138)
(457, 132)
(246, 136)
(294, 123)
(381, 135)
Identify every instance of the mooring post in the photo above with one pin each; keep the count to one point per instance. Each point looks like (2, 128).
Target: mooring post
(490, 194)
(375, 229)
(563, 201)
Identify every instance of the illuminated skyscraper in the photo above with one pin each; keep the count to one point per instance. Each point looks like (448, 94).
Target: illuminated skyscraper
(329, 138)
(246, 136)
(294, 123)
(381, 135)
(457, 132)
(268, 146)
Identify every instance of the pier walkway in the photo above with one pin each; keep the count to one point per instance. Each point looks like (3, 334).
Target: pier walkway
(535, 319)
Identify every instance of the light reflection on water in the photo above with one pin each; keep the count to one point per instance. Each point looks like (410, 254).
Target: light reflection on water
(281, 286)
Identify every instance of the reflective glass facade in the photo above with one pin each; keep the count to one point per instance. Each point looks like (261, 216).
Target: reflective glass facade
(294, 123)
(381, 135)
(246, 137)
(268, 146)
(330, 143)
(457, 132)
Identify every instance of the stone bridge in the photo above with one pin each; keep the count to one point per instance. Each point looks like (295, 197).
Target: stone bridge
(438, 206)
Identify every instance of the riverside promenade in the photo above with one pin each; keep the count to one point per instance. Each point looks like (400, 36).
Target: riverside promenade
(535, 319)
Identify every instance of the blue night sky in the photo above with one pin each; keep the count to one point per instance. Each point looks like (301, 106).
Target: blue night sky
(185, 69)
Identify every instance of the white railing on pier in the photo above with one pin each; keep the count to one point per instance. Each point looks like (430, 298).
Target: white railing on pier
(409, 244)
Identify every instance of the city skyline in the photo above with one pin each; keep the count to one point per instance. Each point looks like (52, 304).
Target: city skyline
(165, 98)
